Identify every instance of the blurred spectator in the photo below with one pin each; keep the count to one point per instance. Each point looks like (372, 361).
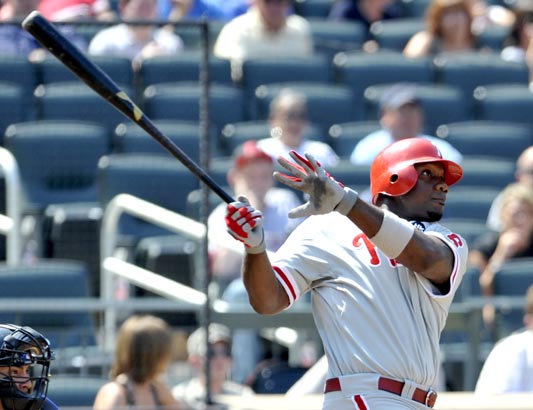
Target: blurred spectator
(193, 391)
(14, 40)
(518, 45)
(265, 30)
(142, 355)
(515, 240)
(288, 123)
(402, 116)
(509, 365)
(251, 176)
(448, 29)
(69, 10)
(176, 10)
(136, 41)
(365, 12)
(488, 14)
(524, 176)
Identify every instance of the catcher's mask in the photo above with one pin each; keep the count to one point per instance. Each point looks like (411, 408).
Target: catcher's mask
(25, 357)
(393, 173)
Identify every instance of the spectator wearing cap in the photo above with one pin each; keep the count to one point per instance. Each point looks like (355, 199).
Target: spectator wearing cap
(402, 116)
(193, 391)
(288, 124)
(251, 176)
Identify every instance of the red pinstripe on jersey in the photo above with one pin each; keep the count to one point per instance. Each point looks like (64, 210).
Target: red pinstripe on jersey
(286, 281)
(360, 402)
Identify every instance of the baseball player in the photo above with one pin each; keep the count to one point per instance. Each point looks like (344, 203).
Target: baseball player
(25, 357)
(382, 276)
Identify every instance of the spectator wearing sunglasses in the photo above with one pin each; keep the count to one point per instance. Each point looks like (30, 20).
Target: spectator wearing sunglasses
(288, 125)
(267, 29)
(193, 391)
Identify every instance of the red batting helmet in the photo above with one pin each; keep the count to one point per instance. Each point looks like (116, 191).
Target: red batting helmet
(393, 172)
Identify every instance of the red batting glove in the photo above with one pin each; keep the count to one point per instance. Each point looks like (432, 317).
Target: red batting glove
(245, 223)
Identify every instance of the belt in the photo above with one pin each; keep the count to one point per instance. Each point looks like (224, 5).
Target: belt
(427, 398)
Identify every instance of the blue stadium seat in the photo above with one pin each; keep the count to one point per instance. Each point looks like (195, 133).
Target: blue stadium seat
(359, 70)
(470, 70)
(68, 391)
(344, 137)
(235, 134)
(487, 172)
(12, 107)
(393, 34)
(57, 160)
(441, 104)
(76, 101)
(50, 279)
(491, 139)
(174, 101)
(469, 202)
(504, 102)
(330, 37)
(327, 103)
(180, 67)
(512, 279)
(156, 178)
(313, 8)
(130, 138)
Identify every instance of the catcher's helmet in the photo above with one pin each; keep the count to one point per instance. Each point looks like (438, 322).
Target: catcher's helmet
(393, 172)
(23, 346)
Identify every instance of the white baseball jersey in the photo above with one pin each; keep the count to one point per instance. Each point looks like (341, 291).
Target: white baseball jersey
(373, 314)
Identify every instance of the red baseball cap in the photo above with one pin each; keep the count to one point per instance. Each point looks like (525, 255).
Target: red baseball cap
(248, 152)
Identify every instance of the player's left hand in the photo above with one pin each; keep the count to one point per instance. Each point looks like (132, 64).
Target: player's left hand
(325, 193)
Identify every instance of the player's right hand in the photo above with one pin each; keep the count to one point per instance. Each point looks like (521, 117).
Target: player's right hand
(245, 223)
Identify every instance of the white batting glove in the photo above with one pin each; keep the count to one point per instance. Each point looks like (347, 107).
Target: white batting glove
(245, 223)
(325, 193)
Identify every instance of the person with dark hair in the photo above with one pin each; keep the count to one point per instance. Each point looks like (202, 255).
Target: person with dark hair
(518, 46)
(381, 276)
(25, 357)
(142, 355)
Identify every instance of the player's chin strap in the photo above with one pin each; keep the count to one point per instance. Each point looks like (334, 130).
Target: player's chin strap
(394, 234)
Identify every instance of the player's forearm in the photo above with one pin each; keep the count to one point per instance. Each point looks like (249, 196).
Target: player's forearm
(265, 293)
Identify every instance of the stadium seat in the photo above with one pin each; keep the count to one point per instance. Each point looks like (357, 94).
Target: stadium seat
(76, 101)
(393, 34)
(359, 70)
(415, 8)
(235, 134)
(469, 202)
(313, 8)
(50, 279)
(269, 70)
(344, 137)
(180, 67)
(327, 104)
(156, 178)
(492, 139)
(487, 172)
(119, 69)
(504, 102)
(130, 138)
(330, 38)
(18, 70)
(173, 101)
(57, 160)
(353, 176)
(68, 391)
(441, 104)
(470, 70)
(192, 35)
(12, 107)
(512, 279)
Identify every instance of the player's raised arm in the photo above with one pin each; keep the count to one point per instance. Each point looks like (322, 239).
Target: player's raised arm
(422, 174)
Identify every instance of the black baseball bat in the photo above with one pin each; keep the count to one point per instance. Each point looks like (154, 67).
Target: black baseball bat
(92, 75)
